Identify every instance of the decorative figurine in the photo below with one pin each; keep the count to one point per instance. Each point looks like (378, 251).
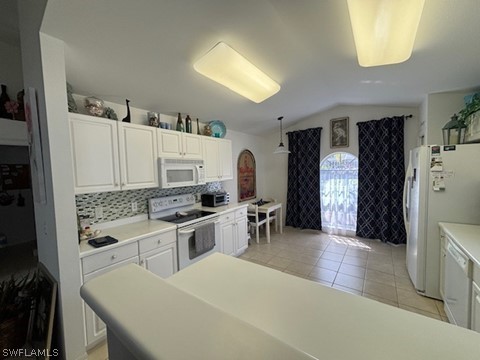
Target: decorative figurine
(207, 130)
(198, 128)
(127, 118)
(188, 124)
(4, 98)
(110, 113)
(180, 126)
(94, 106)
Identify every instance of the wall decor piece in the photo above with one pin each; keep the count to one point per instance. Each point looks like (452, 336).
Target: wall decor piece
(339, 132)
(246, 170)
(35, 146)
(94, 106)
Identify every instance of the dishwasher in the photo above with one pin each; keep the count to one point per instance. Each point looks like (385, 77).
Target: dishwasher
(458, 285)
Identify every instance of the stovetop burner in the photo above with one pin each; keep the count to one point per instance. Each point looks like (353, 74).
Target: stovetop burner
(181, 217)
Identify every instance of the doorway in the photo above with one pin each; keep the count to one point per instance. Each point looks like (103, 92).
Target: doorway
(338, 193)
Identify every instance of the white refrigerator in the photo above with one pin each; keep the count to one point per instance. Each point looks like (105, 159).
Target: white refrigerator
(442, 183)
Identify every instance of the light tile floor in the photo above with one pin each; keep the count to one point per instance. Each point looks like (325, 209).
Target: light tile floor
(359, 266)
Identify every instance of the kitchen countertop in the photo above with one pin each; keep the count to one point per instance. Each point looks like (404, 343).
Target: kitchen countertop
(147, 318)
(140, 229)
(214, 302)
(127, 233)
(467, 237)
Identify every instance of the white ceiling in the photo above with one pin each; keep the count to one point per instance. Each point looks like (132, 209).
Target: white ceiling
(144, 50)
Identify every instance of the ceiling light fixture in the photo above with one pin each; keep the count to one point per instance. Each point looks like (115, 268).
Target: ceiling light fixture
(281, 148)
(227, 67)
(384, 30)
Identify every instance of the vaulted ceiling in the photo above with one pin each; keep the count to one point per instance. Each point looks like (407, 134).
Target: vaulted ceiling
(144, 50)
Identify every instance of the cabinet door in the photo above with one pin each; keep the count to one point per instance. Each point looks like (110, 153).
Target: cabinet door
(475, 307)
(226, 166)
(192, 146)
(169, 143)
(242, 239)
(138, 156)
(162, 262)
(95, 329)
(211, 159)
(228, 236)
(95, 161)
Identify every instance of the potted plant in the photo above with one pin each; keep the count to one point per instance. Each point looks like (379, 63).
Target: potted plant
(16, 297)
(465, 115)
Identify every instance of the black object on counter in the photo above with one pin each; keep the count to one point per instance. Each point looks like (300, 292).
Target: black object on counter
(102, 241)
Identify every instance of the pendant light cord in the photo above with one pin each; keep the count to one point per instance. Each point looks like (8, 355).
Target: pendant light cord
(281, 129)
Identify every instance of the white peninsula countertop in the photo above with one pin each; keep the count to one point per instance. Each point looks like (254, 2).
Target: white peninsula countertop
(467, 237)
(306, 318)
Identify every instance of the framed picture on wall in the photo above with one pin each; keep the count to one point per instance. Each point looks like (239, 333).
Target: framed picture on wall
(246, 170)
(339, 132)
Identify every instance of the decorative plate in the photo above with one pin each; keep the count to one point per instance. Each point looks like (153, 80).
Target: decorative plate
(218, 128)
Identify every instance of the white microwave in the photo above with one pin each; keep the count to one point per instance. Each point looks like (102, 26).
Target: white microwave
(181, 172)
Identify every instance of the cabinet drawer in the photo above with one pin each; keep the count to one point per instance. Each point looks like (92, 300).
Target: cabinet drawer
(240, 213)
(476, 273)
(109, 257)
(224, 218)
(157, 241)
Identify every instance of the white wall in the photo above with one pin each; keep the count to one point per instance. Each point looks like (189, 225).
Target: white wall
(258, 146)
(11, 68)
(276, 176)
(43, 63)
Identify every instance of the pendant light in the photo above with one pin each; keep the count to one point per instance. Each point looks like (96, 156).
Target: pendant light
(281, 148)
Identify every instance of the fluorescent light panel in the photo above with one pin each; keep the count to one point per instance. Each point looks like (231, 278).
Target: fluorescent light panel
(227, 67)
(384, 30)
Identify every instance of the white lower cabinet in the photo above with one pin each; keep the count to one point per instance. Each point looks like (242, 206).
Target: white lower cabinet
(157, 253)
(443, 254)
(234, 233)
(95, 330)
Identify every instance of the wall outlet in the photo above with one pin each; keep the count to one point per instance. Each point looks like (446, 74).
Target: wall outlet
(99, 212)
(134, 206)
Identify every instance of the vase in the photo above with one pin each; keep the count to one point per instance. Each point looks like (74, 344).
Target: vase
(180, 123)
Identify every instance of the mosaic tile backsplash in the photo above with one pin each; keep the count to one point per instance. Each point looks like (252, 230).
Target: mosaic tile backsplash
(118, 204)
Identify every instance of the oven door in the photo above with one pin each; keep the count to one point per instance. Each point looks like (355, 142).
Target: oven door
(187, 249)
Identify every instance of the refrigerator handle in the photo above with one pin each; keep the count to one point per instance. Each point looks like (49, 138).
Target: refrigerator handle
(406, 201)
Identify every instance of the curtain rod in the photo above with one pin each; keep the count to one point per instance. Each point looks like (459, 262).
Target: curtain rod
(288, 132)
(406, 117)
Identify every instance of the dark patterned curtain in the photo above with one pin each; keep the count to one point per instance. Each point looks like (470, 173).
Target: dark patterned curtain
(303, 195)
(381, 174)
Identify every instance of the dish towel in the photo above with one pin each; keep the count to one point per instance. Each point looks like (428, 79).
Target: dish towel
(204, 238)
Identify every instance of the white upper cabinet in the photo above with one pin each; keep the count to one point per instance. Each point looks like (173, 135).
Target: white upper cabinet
(109, 155)
(94, 144)
(176, 144)
(218, 159)
(138, 156)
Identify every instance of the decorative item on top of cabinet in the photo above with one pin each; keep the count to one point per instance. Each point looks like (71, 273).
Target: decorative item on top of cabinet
(188, 124)
(198, 128)
(153, 119)
(127, 118)
(94, 106)
(72, 105)
(207, 131)
(180, 123)
(110, 114)
(454, 131)
(4, 98)
(21, 106)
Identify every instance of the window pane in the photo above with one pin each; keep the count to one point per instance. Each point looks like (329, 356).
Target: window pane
(339, 191)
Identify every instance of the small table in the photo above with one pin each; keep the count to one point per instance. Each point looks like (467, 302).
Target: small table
(268, 209)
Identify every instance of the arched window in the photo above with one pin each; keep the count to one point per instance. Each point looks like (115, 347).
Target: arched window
(339, 191)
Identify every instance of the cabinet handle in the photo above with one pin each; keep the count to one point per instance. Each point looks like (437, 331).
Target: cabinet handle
(114, 256)
(142, 262)
(123, 184)
(159, 242)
